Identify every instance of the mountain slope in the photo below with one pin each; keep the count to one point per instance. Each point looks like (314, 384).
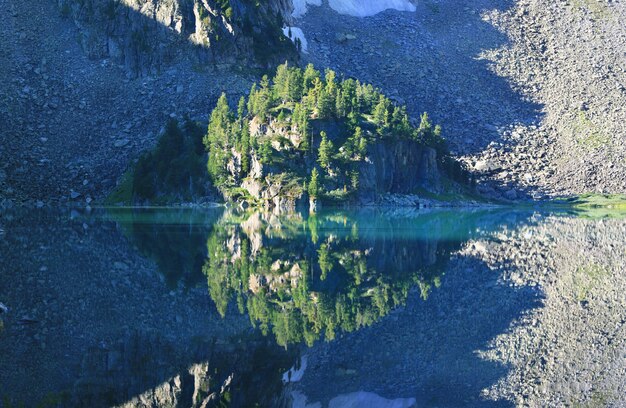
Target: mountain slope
(530, 93)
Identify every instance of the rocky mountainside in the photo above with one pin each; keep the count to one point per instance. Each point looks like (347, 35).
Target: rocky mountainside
(531, 94)
(73, 124)
(145, 36)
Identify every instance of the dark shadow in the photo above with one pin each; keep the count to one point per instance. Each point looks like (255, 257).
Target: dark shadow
(430, 61)
(92, 324)
(150, 39)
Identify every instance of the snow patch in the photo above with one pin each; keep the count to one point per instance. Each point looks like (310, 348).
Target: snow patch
(360, 399)
(295, 375)
(364, 399)
(299, 6)
(296, 33)
(356, 8)
(365, 8)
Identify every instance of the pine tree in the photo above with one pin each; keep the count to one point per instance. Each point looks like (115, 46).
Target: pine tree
(309, 77)
(294, 86)
(325, 104)
(263, 100)
(425, 125)
(325, 151)
(330, 77)
(354, 180)
(241, 108)
(380, 114)
(314, 185)
(359, 142)
(281, 82)
(245, 148)
(218, 141)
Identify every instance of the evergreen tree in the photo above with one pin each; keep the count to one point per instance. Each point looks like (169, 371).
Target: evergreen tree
(314, 185)
(245, 148)
(218, 141)
(241, 108)
(281, 82)
(294, 85)
(262, 100)
(310, 76)
(325, 104)
(380, 114)
(354, 180)
(425, 125)
(324, 260)
(330, 77)
(325, 151)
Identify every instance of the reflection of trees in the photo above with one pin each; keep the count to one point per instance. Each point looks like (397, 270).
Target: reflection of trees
(303, 280)
(174, 239)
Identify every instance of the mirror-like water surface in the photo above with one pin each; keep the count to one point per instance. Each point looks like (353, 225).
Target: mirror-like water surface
(381, 308)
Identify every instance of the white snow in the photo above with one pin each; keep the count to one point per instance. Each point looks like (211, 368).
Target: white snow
(296, 33)
(364, 399)
(299, 6)
(294, 375)
(365, 8)
(300, 401)
(356, 8)
(360, 399)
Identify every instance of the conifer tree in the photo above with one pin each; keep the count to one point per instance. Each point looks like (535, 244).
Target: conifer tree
(245, 148)
(325, 151)
(281, 82)
(218, 141)
(380, 114)
(241, 108)
(314, 185)
(309, 77)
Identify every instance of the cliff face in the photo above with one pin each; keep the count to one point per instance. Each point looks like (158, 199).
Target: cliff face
(399, 167)
(390, 167)
(144, 35)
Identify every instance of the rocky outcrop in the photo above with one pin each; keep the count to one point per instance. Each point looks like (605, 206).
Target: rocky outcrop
(391, 167)
(399, 167)
(146, 35)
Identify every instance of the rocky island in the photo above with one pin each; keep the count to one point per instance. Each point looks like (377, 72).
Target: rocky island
(301, 135)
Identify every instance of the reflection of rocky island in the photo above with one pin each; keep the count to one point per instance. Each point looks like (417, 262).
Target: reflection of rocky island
(303, 279)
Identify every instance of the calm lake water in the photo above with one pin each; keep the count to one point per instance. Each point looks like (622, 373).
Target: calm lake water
(368, 308)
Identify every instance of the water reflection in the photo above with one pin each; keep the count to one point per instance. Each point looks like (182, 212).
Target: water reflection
(447, 308)
(304, 277)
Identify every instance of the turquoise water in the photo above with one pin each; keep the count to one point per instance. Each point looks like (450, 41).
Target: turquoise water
(156, 307)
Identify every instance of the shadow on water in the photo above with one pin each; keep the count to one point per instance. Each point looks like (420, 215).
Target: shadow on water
(378, 295)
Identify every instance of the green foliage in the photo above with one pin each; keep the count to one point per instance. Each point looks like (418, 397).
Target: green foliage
(301, 118)
(325, 152)
(314, 184)
(173, 169)
(304, 284)
(219, 140)
(587, 134)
